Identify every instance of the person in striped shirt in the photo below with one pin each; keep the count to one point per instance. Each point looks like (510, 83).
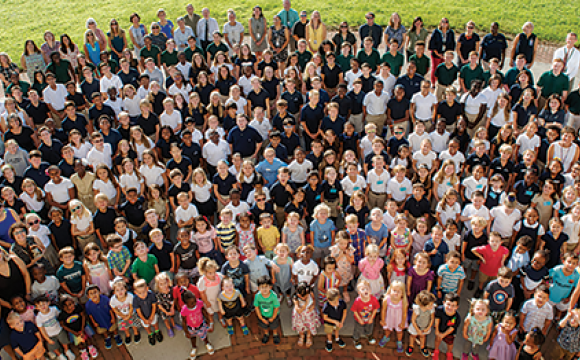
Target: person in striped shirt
(450, 275)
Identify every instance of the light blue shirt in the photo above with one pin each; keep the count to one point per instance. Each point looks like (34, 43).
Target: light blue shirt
(270, 171)
(181, 37)
(322, 233)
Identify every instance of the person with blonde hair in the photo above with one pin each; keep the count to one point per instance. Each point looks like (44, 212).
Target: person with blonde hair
(83, 228)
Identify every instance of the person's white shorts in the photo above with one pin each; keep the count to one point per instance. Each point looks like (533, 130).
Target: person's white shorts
(561, 306)
(413, 331)
(153, 323)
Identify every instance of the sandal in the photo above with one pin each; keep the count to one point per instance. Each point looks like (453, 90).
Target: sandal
(300, 340)
(308, 341)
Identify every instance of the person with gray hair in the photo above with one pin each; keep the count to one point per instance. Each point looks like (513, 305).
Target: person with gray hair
(91, 24)
(525, 43)
(205, 29)
(233, 32)
(181, 34)
(191, 19)
(289, 17)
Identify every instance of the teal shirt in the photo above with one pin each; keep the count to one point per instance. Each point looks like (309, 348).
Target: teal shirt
(344, 62)
(266, 305)
(145, 270)
(289, 18)
(468, 75)
(552, 84)
(373, 59)
(395, 61)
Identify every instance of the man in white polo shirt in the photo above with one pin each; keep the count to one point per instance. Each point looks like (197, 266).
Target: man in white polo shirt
(571, 57)
(375, 104)
(109, 80)
(55, 96)
(424, 106)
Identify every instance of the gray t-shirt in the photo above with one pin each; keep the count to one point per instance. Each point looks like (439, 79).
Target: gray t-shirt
(498, 296)
(19, 161)
(146, 305)
(423, 317)
(258, 267)
(187, 257)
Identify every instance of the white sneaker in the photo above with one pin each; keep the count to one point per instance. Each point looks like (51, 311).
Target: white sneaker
(193, 354)
(62, 357)
(51, 355)
(71, 355)
(209, 348)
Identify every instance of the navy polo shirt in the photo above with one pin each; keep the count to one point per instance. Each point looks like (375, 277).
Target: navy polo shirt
(412, 86)
(331, 192)
(337, 125)
(473, 160)
(295, 101)
(192, 152)
(163, 255)
(174, 190)
(312, 196)
(398, 108)
(520, 170)
(350, 142)
(393, 145)
(258, 99)
(278, 121)
(357, 101)
(94, 87)
(95, 114)
(183, 165)
(148, 124)
(312, 117)
(224, 185)
(129, 78)
(62, 233)
(334, 313)
(51, 154)
(101, 312)
(504, 171)
(80, 123)
(256, 211)
(135, 213)
(67, 170)
(279, 195)
(525, 193)
(315, 160)
(112, 138)
(493, 46)
(25, 340)
(369, 159)
(324, 97)
(281, 151)
(244, 141)
(105, 221)
(40, 175)
(416, 207)
(344, 105)
(228, 123)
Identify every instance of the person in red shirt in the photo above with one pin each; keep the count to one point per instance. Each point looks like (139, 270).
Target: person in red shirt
(492, 256)
(182, 284)
(365, 309)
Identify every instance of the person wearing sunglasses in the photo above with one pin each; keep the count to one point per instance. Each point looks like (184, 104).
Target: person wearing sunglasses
(158, 38)
(29, 248)
(466, 43)
(117, 40)
(442, 40)
(370, 29)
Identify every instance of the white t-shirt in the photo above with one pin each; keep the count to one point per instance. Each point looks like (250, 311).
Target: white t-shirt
(48, 288)
(251, 198)
(201, 193)
(213, 153)
(107, 83)
(454, 242)
(184, 90)
(388, 82)
(349, 187)
(376, 105)
(399, 190)
(504, 223)
(499, 119)
(450, 212)
(299, 172)
(55, 98)
(173, 119)
(43, 234)
(49, 321)
(152, 175)
(263, 128)
(82, 151)
(425, 159)
(389, 220)
(424, 105)
(458, 159)
(246, 83)
(116, 105)
(132, 105)
(366, 145)
(472, 185)
(470, 210)
(122, 306)
(241, 103)
(59, 192)
(243, 207)
(106, 188)
(350, 77)
(184, 70)
(82, 223)
(220, 131)
(415, 140)
(491, 95)
(439, 141)
(527, 143)
(472, 104)
(127, 181)
(32, 204)
(305, 272)
(140, 149)
(185, 214)
(96, 157)
(378, 183)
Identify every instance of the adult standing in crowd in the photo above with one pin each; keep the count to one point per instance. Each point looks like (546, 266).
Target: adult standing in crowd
(50, 45)
(571, 57)
(344, 35)
(32, 60)
(117, 40)
(525, 43)
(8, 217)
(493, 46)
(370, 29)
(69, 50)
(205, 29)
(396, 30)
(258, 27)
(99, 34)
(299, 29)
(315, 32)
(137, 33)
(191, 19)
(233, 32)
(289, 18)
(466, 43)
(182, 34)
(417, 33)
(278, 37)
(442, 40)
(165, 24)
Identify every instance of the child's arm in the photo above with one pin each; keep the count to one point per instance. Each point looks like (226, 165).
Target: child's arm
(460, 286)
(64, 287)
(221, 306)
(204, 299)
(383, 312)
(358, 318)
(429, 285)
(437, 334)
(409, 280)
(156, 269)
(439, 293)
(45, 335)
(333, 237)
(302, 238)
(522, 319)
(489, 327)
(341, 323)
(275, 314)
(546, 326)
(320, 285)
(478, 255)
(93, 322)
(403, 324)
(408, 249)
(493, 335)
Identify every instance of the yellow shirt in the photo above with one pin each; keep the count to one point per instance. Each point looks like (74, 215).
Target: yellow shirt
(269, 237)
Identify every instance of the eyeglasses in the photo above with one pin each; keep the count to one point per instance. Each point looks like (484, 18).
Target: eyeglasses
(98, 141)
(368, 17)
(344, 27)
(398, 132)
(471, 27)
(445, 21)
(302, 15)
(34, 222)
(371, 132)
(76, 208)
(260, 200)
(19, 231)
(155, 27)
(90, 35)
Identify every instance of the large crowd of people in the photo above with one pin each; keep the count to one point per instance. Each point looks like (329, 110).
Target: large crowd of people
(187, 173)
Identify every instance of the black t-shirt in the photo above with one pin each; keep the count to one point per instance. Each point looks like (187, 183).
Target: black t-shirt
(16, 185)
(51, 154)
(334, 313)
(148, 124)
(470, 242)
(331, 192)
(398, 108)
(174, 190)
(24, 139)
(416, 207)
(183, 165)
(362, 214)
(118, 159)
(135, 213)
(237, 274)
(256, 211)
(312, 117)
(204, 92)
(446, 321)
(449, 113)
(331, 76)
(80, 124)
(105, 221)
(17, 206)
(279, 195)
(95, 114)
(357, 101)
(224, 185)
(187, 257)
(163, 255)
(473, 160)
(62, 233)
(271, 86)
(89, 89)
(157, 102)
(129, 78)
(467, 44)
(258, 99)
(74, 320)
(223, 85)
(262, 65)
(39, 113)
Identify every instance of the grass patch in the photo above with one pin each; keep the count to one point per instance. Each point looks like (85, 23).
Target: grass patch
(29, 19)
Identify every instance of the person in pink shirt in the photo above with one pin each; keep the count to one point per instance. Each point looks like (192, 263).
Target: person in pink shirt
(195, 322)
(370, 268)
(492, 256)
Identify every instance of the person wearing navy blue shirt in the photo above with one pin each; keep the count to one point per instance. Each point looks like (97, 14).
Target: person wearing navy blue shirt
(281, 193)
(357, 97)
(310, 117)
(281, 116)
(333, 120)
(229, 120)
(398, 107)
(258, 96)
(127, 74)
(343, 100)
(350, 139)
(261, 206)
(50, 148)
(396, 141)
(324, 98)
(411, 81)
(223, 182)
(289, 138)
(101, 315)
(133, 209)
(111, 136)
(191, 150)
(98, 109)
(180, 162)
(90, 85)
(313, 190)
(177, 186)
(493, 46)
(244, 139)
(527, 188)
(73, 120)
(528, 164)
(372, 30)
(37, 170)
(292, 97)
(281, 149)
(24, 336)
(316, 155)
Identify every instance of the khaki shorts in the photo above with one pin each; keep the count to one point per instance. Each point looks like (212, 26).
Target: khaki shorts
(565, 354)
(101, 330)
(329, 329)
(484, 279)
(320, 253)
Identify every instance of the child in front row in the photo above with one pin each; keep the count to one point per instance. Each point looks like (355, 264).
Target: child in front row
(209, 285)
(54, 335)
(500, 293)
(102, 316)
(476, 329)
(145, 304)
(447, 321)
(122, 304)
(232, 305)
(502, 344)
(421, 322)
(530, 350)
(73, 319)
(364, 309)
(267, 310)
(195, 321)
(25, 337)
(166, 301)
(570, 325)
(334, 316)
(305, 316)
(395, 303)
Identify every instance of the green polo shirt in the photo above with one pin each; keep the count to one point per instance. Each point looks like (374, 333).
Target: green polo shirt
(60, 71)
(303, 58)
(23, 85)
(169, 59)
(446, 76)
(487, 76)
(373, 59)
(552, 84)
(146, 53)
(573, 102)
(396, 62)
(189, 52)
(344, 62)
(422, 63)
(212, 49)
(469, 75)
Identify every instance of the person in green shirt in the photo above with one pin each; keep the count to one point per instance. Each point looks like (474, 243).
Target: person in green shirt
(267, 309)
(493, 70)
(445, 74)
(215, 46)
(304, 55)
(343, 59)
(420, 59)
(145, 265)
(553, 82)
(16, 82)
(61, 68)
(169, 56)
(394, 57)
(470, 71)
(369, 55)
(149, 51)
(192, 49)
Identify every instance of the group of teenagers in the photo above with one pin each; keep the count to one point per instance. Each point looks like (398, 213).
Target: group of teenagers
(199, 179)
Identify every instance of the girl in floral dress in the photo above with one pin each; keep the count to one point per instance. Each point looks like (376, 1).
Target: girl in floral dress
(343, 252)
(246, 231)
(305, 317)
